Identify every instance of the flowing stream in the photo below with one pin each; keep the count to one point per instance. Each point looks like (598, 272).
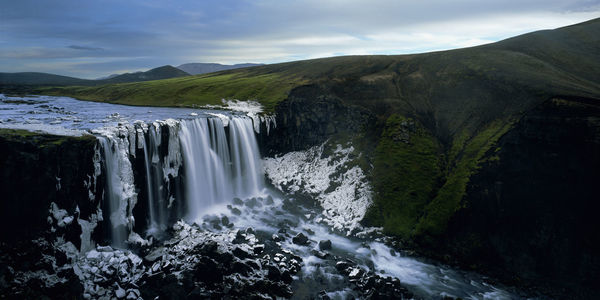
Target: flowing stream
(195, 164)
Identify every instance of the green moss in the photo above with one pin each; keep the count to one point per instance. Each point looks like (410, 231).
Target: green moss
(466, 155)
(406, 171)
(268, 89)
(418, 186)
(42, 139)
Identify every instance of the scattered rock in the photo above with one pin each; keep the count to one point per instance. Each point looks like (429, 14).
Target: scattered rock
(325, 245)
(300, 239)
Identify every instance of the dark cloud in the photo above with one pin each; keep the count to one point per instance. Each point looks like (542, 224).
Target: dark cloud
(76, 47)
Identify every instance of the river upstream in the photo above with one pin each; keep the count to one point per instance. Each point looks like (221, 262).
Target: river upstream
(188, 204)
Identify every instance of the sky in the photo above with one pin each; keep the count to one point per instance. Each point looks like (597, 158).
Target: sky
(96, 38)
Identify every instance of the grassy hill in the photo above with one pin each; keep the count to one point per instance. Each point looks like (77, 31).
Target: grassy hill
(35, 79)
(163, 72)
(40, 79)
(460, 102)
(203, 68)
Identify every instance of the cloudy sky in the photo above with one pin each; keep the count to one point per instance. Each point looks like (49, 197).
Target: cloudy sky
(90, 39)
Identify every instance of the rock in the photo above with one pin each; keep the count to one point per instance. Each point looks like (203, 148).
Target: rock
(236, 211)
(93, 255)
(241, 268)
(342, 266)
(273, 273)
(356, 273)
(240, 238)
(105, 248)
(320, 254)
(300, 239)
(309, 231)
(325, 245)
(155, 254)
(241, 253)
(258, 249)
(252, 203)
(276, 238)
(225, 221)
(120, 293)
(269, 200)
(238, 201)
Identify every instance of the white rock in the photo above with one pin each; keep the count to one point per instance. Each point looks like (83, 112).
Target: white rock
(120, 293)
(93, 255)
(105, 248)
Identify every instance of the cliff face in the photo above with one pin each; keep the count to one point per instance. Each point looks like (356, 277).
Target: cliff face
(37, 170)
(531, 207)
(527, 214)
(311, 115)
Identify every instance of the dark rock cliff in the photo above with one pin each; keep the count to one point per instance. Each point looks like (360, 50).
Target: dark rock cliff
(309, 116)
(531, 209)
(37, 170)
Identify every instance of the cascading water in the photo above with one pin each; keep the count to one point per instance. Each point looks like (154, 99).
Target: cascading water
(120, 189)
(218, 168)
(219, 158)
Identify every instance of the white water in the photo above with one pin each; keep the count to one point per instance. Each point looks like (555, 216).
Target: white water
(120, 188)
(218, 162)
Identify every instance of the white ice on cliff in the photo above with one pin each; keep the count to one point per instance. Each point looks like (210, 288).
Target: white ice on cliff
(341, 189)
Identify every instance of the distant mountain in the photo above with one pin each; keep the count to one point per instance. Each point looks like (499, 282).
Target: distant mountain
(11, 80)
(40, 79)
(202, 68)
(163, 72)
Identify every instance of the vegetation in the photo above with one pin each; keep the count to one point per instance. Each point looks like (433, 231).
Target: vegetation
(406, 172)
(12, 81)
(41, 139)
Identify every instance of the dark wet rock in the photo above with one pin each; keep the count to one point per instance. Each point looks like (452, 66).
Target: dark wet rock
(249, 230)
(325, 245)
(258, 249)
(241, 268)
(273, 272)
(252, 203)
(225, 221)
(342, 266)
(277, 238)
(320, 254)
(269, 200)
(241, 253)
(300, 239)
(323, 295)
(309, 231)
(236, 211)
(238, 201)
(240, 238)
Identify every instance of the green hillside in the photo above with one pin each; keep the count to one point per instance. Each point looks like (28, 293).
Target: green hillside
(10, 81)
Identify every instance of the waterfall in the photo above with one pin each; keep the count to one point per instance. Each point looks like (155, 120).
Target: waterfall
(218, 168)
(217, 159)
(120, 188)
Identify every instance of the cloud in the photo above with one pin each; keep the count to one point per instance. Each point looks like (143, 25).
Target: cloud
(76, 47)
(148, 33)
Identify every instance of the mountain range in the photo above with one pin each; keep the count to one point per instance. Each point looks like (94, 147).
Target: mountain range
(10, 81)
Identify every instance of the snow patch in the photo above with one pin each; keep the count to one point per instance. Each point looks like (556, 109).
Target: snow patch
(341, 189)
